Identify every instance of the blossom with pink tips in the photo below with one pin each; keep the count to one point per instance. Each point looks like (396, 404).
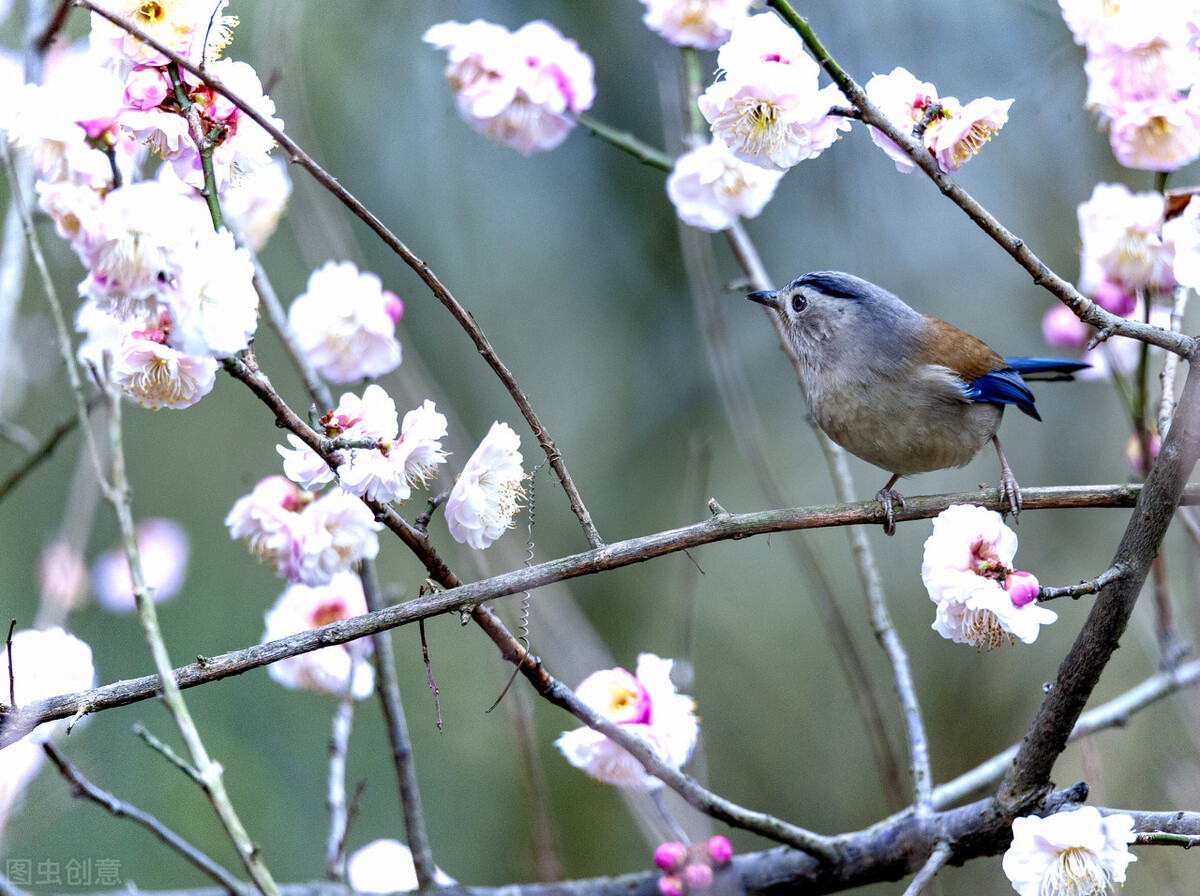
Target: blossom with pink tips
(1072, 852)
(487, 494)
(163, 548)
(157, 376)
(520, 89)
(345, 323)
(767, 108)
(338, 669)
(711, 188)
(305, 538)
(903, 98)
(645, 704)
(967, 569)
(960, 132)
(704, 24)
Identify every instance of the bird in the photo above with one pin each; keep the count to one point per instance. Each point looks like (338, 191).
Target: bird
(904, 391)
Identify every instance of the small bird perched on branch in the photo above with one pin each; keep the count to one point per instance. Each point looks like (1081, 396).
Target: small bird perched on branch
(904, 391)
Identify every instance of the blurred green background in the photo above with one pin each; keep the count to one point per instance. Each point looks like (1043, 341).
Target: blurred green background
(570, 262)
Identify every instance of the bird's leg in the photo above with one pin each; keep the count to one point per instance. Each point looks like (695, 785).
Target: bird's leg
(1009, 490)
(886, 496)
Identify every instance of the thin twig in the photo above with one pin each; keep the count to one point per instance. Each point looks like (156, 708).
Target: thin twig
(939, 856)
(402, 754)
(437, 703)
(1088, 586)
(461, 315)
(43, 451)
(12, 679)
(167, 753)
(83, 788)
(715, 528)
(335, 799)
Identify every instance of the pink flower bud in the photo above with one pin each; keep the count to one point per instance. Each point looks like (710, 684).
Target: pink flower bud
(670, 885)
(1022, 587)
(698, 877)
(1114, 298)
(671, 856)
(393, 306)
(720, 850)
(1062, 329)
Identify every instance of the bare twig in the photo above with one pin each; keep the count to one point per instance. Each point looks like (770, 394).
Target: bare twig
(719, 527)
(85, 789)
(335, 799)
(1089, 586)
(937, 858)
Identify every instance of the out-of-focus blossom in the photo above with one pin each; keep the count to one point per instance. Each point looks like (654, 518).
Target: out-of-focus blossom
(1135, 453)
(952, 132)
(337, 669)
(720, 850)
(1062, 329)
(671, 856)
(1123, 242)
(345, 323)
(163, 548)
(1159, 134)
(711, 188)
(705, 24)
(961, 131)
(19, 764)
(967, 569)
(646, 705)
(214, 307)
(1183, 232)
(62, 577)
(519, 88)
(46, 663)
(305, 539)
(1121, 355)
(487, 494)
(1070, 853)
(181, 25)
(386, 866)
(767, 108)
(903, 99)
(254, 203)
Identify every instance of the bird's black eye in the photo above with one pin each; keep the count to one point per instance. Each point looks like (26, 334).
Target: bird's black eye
(799, 303)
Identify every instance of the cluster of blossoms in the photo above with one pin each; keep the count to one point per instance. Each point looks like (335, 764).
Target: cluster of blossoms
(44, 663)
(1142, 69)
(967, 569)
(1078, 851)
(950, 132)
(689, 869)
(165, 295)
(645, 704)
(518, 88)
(314, 538)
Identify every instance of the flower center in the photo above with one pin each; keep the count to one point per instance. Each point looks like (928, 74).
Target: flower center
(1075, 873)
(982, 628)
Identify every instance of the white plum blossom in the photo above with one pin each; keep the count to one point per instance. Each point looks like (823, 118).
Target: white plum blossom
(768, 108)
(1183, 232)
(386, 866)
(645, 704)
(163, 548)
(345, 323)
(705, 24)
(711, 188)
(967, 569)
(338, 669)
(960, 131)
(1123, 244)
(46, 663)
(903, 98)
(487, 494)
(1077, 852)
(254, 203)
(519, 88)
(214, 307)
(157, 376)
(305, 538)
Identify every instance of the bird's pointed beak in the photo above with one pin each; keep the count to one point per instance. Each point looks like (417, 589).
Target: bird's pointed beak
(768, 297)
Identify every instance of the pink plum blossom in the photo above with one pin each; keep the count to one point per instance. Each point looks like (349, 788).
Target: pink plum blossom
(961, 131)
(163, 548)
(1122, 241)
(705, 24)
(645, 704)
(345, 323)
(519, 89)
(157, 376)
(903, 99)
(711, 188)
(966, 569)
(1071, 852)
(487, 494)
(338, 669)
(1062, 329)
